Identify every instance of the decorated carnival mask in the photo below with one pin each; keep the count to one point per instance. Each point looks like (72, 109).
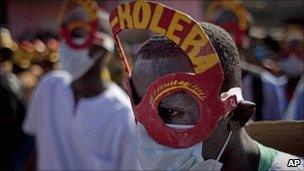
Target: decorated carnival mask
(78, 36)
(89, 27)
(203, 85)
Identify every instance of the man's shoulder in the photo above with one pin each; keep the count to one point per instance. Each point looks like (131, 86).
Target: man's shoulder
(118, 102)
(271, 159)
(117, 96)
(55, 77)
(285, 161)
(50, 81)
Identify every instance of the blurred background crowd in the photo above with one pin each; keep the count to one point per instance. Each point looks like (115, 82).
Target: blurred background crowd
(270, 45)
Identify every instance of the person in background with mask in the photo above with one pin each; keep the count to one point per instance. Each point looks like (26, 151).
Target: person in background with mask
(292, 63)
(291, 59)
(265, 85)
(233, 17)
(79, 121)
(178, 98)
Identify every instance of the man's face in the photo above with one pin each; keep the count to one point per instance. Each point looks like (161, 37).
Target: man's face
(178, 108)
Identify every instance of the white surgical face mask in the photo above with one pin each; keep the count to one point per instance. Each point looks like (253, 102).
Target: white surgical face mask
(76, 61)
(292, 66)
(154, 156)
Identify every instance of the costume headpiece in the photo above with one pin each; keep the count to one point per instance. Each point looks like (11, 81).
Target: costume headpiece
(90, 26)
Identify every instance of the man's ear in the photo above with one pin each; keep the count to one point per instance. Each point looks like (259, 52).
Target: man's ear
(241, 114)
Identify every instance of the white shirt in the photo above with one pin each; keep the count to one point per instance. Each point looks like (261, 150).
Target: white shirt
(98, 134)
(295, 110)
(275, 102)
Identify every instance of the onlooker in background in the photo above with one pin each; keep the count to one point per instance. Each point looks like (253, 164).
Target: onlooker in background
(291, 58)
(236, 20)
(14, 144)
(264, 83)
(30, 60)
(292, 63)
(78, 120)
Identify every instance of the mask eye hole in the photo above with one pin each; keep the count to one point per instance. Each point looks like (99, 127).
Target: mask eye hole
(179, 108)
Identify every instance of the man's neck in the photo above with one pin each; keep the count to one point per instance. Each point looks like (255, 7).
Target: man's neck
(88, 86)
(241, 153)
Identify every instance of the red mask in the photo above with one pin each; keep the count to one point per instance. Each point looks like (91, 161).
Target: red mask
(90, 27)
(231, 16)
(204, 85)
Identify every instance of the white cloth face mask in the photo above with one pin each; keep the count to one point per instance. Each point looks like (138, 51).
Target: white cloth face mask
(153, 156)
(76, 61)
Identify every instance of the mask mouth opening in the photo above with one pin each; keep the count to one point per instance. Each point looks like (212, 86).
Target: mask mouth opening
(78, 22)
(79, 33)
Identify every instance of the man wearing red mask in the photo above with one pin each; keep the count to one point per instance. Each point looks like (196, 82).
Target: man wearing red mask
(80, 121)
(186, 95)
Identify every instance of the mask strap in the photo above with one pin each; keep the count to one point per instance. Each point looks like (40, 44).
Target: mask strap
(122, 56)
(238, 93)
(224, 147)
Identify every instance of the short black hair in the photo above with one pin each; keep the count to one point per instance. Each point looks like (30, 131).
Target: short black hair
(228, 54)
(160, 46)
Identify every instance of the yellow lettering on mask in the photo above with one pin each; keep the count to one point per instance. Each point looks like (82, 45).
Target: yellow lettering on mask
(202, 63)
(197, 39)
(125, 16)
(176, 26)
(155, 20)
(114, 22)
(145, 9)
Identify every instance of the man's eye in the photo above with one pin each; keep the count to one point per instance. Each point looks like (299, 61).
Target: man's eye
(173, 113)
(169, 112)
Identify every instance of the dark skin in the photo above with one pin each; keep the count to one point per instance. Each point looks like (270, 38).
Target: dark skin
(181, 108)
(91, 84)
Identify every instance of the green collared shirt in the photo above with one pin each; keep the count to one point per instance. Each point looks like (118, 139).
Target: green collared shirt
(267, 156)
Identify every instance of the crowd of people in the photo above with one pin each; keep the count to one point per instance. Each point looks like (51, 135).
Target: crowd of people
(272, 76)
(64, 104)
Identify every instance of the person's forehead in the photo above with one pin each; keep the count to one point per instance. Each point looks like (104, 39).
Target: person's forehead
(146, 71)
